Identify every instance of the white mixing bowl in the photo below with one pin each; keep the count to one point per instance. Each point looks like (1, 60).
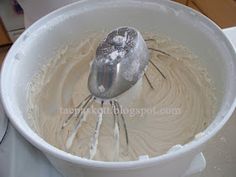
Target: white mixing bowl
(73, 22)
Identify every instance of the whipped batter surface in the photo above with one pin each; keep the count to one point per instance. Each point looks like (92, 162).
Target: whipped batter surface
(178, 108)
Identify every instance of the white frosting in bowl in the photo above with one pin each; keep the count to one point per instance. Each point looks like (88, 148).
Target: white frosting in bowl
(178, 108)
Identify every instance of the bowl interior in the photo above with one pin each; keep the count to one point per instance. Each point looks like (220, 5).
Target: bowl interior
(73, 23)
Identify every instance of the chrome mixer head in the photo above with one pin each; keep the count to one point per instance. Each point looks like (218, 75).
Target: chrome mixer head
(120, 62)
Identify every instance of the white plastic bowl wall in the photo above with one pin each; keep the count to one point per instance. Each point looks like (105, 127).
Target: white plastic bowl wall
(74, 23)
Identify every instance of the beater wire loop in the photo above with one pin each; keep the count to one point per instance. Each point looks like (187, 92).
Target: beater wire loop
(116, 132)
(155, 66)
(123, 120)
(82, 103)
(149, 82)
(94, 139)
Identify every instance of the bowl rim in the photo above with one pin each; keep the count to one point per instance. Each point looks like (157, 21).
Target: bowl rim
(49, 149)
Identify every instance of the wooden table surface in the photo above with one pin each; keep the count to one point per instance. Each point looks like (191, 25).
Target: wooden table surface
(222, 12)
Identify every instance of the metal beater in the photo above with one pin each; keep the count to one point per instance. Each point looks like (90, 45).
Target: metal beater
(121, 60)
